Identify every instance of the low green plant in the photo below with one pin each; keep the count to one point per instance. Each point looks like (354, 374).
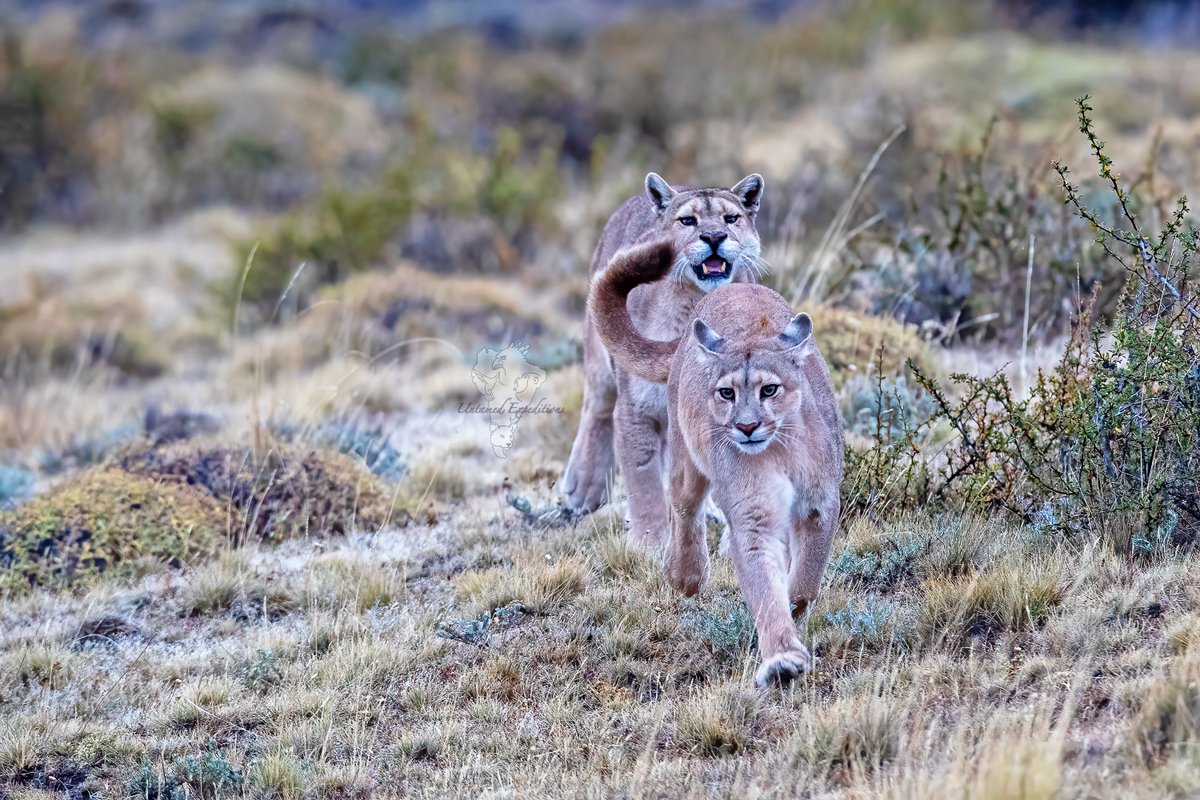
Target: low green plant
(866, 621)
(477, 630)
(45, 107)
(880, 567)
(262, 672)
(209, 775)
(727, 630)
(351, 229)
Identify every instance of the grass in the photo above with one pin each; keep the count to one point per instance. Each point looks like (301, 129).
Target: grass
(603, 672)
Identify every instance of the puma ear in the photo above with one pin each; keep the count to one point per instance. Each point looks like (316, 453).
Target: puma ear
(749, 191)
(797, 332)
(707, 337)
(659, 191)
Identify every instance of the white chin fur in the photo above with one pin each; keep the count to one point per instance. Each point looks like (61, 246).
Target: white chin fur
(753, 447)
(707, 285)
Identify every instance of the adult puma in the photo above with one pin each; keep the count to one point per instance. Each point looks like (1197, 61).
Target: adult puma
(713, 234)
(752, 418)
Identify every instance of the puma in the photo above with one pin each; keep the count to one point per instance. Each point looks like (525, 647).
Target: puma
(753, 420)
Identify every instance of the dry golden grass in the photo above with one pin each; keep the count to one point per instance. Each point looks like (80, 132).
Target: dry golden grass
(328, 670)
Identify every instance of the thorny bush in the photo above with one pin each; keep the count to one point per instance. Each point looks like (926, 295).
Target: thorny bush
(1104, 443)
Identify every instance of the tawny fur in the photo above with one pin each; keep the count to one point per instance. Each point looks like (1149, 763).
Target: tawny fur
(752, 418)
(647, 359)
(624, 416)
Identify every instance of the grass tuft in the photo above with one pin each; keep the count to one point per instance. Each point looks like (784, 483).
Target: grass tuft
(719, 721)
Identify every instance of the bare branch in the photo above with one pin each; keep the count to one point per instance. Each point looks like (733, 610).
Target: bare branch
(1151, 264)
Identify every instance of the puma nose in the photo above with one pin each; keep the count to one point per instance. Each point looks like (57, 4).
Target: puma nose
(714, 238)
(746, 429)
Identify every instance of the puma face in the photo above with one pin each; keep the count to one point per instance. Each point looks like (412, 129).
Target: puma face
(754, 387)
(712, 230)
(748, 403)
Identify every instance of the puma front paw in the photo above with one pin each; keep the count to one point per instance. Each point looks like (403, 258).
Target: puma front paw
(783, 668)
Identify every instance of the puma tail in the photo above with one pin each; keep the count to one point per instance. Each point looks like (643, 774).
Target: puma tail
(630, 350)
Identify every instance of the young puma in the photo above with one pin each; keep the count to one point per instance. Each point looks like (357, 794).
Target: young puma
(752, 419)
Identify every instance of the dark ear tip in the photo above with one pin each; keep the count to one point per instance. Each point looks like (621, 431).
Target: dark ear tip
(798, 330)
(706, 336)
(750, 189)
(658, 190)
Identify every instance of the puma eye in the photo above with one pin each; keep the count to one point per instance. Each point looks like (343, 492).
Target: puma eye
(726, 394)
(770, 389)
(688, 221)
(732, 218)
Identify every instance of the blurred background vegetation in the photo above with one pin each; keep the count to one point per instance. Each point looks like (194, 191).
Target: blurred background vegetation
(495, 140)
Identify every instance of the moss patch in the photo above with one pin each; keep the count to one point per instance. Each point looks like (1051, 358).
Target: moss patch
(181, 504)
(286, 494)
(106, 520)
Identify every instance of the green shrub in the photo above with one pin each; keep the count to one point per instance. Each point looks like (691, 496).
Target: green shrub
(970, 248)
(176, 127)
(727, 630)
(263, 672)
(208, 775)
(500, 198)
(882, 566)
(1104, 443)
(478, 630)
(345, 233)
(44, 149)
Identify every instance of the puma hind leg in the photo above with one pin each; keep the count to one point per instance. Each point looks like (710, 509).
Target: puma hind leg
(812, 538)
(686, 557)
(641, 454)
(592, 463)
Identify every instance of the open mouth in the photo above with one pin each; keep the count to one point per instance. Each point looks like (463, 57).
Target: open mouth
(712, 268)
